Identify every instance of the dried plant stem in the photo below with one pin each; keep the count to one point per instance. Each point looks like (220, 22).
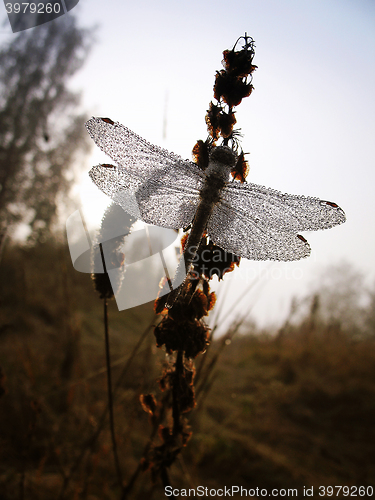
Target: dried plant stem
(155, 426)
(203, 360)
(109, 385)
(165, 479)
(179, 367)
(89, 444)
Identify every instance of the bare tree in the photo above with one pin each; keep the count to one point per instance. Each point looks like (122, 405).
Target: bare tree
(41, 132)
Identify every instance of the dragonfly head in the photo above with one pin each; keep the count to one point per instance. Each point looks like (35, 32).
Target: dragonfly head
(222, 160)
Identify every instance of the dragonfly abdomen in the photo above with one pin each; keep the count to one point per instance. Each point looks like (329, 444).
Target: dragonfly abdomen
(221, 162)
(199, 226)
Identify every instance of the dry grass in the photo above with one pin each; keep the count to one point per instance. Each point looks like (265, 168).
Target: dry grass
(287, 411)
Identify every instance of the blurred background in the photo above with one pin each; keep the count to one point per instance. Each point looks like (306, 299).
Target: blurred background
(288, 389)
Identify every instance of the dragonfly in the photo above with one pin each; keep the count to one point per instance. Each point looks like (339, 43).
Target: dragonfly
(246, 219)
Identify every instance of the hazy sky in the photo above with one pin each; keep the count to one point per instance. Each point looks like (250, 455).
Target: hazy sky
(309, 124)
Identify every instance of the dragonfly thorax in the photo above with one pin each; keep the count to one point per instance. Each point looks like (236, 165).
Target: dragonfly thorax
(222, 161)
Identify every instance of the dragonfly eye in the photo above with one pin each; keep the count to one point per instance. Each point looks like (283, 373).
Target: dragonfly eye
(224, 155)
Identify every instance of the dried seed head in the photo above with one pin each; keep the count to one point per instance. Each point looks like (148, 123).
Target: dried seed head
(212, 121)
(188, 336)
(226, 122)
(148, 403)
(241, 169)
(115, 221)
(239, 63)
(231, 89)
(201, 152)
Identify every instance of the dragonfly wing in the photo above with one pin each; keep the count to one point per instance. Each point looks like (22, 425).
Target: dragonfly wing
(250, 240)
(137, 157)
(169, 202)
(149, 182)
(267, 207)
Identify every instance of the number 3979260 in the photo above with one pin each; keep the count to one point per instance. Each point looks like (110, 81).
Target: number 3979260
(33, 8)
(346, 491)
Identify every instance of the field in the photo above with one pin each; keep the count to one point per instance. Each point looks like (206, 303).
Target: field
(275, 410)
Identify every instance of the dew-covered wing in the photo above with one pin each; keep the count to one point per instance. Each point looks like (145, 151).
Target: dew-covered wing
(169, 202)
(266, 207)
(165, 187)
(254, 241)
(260, 223)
